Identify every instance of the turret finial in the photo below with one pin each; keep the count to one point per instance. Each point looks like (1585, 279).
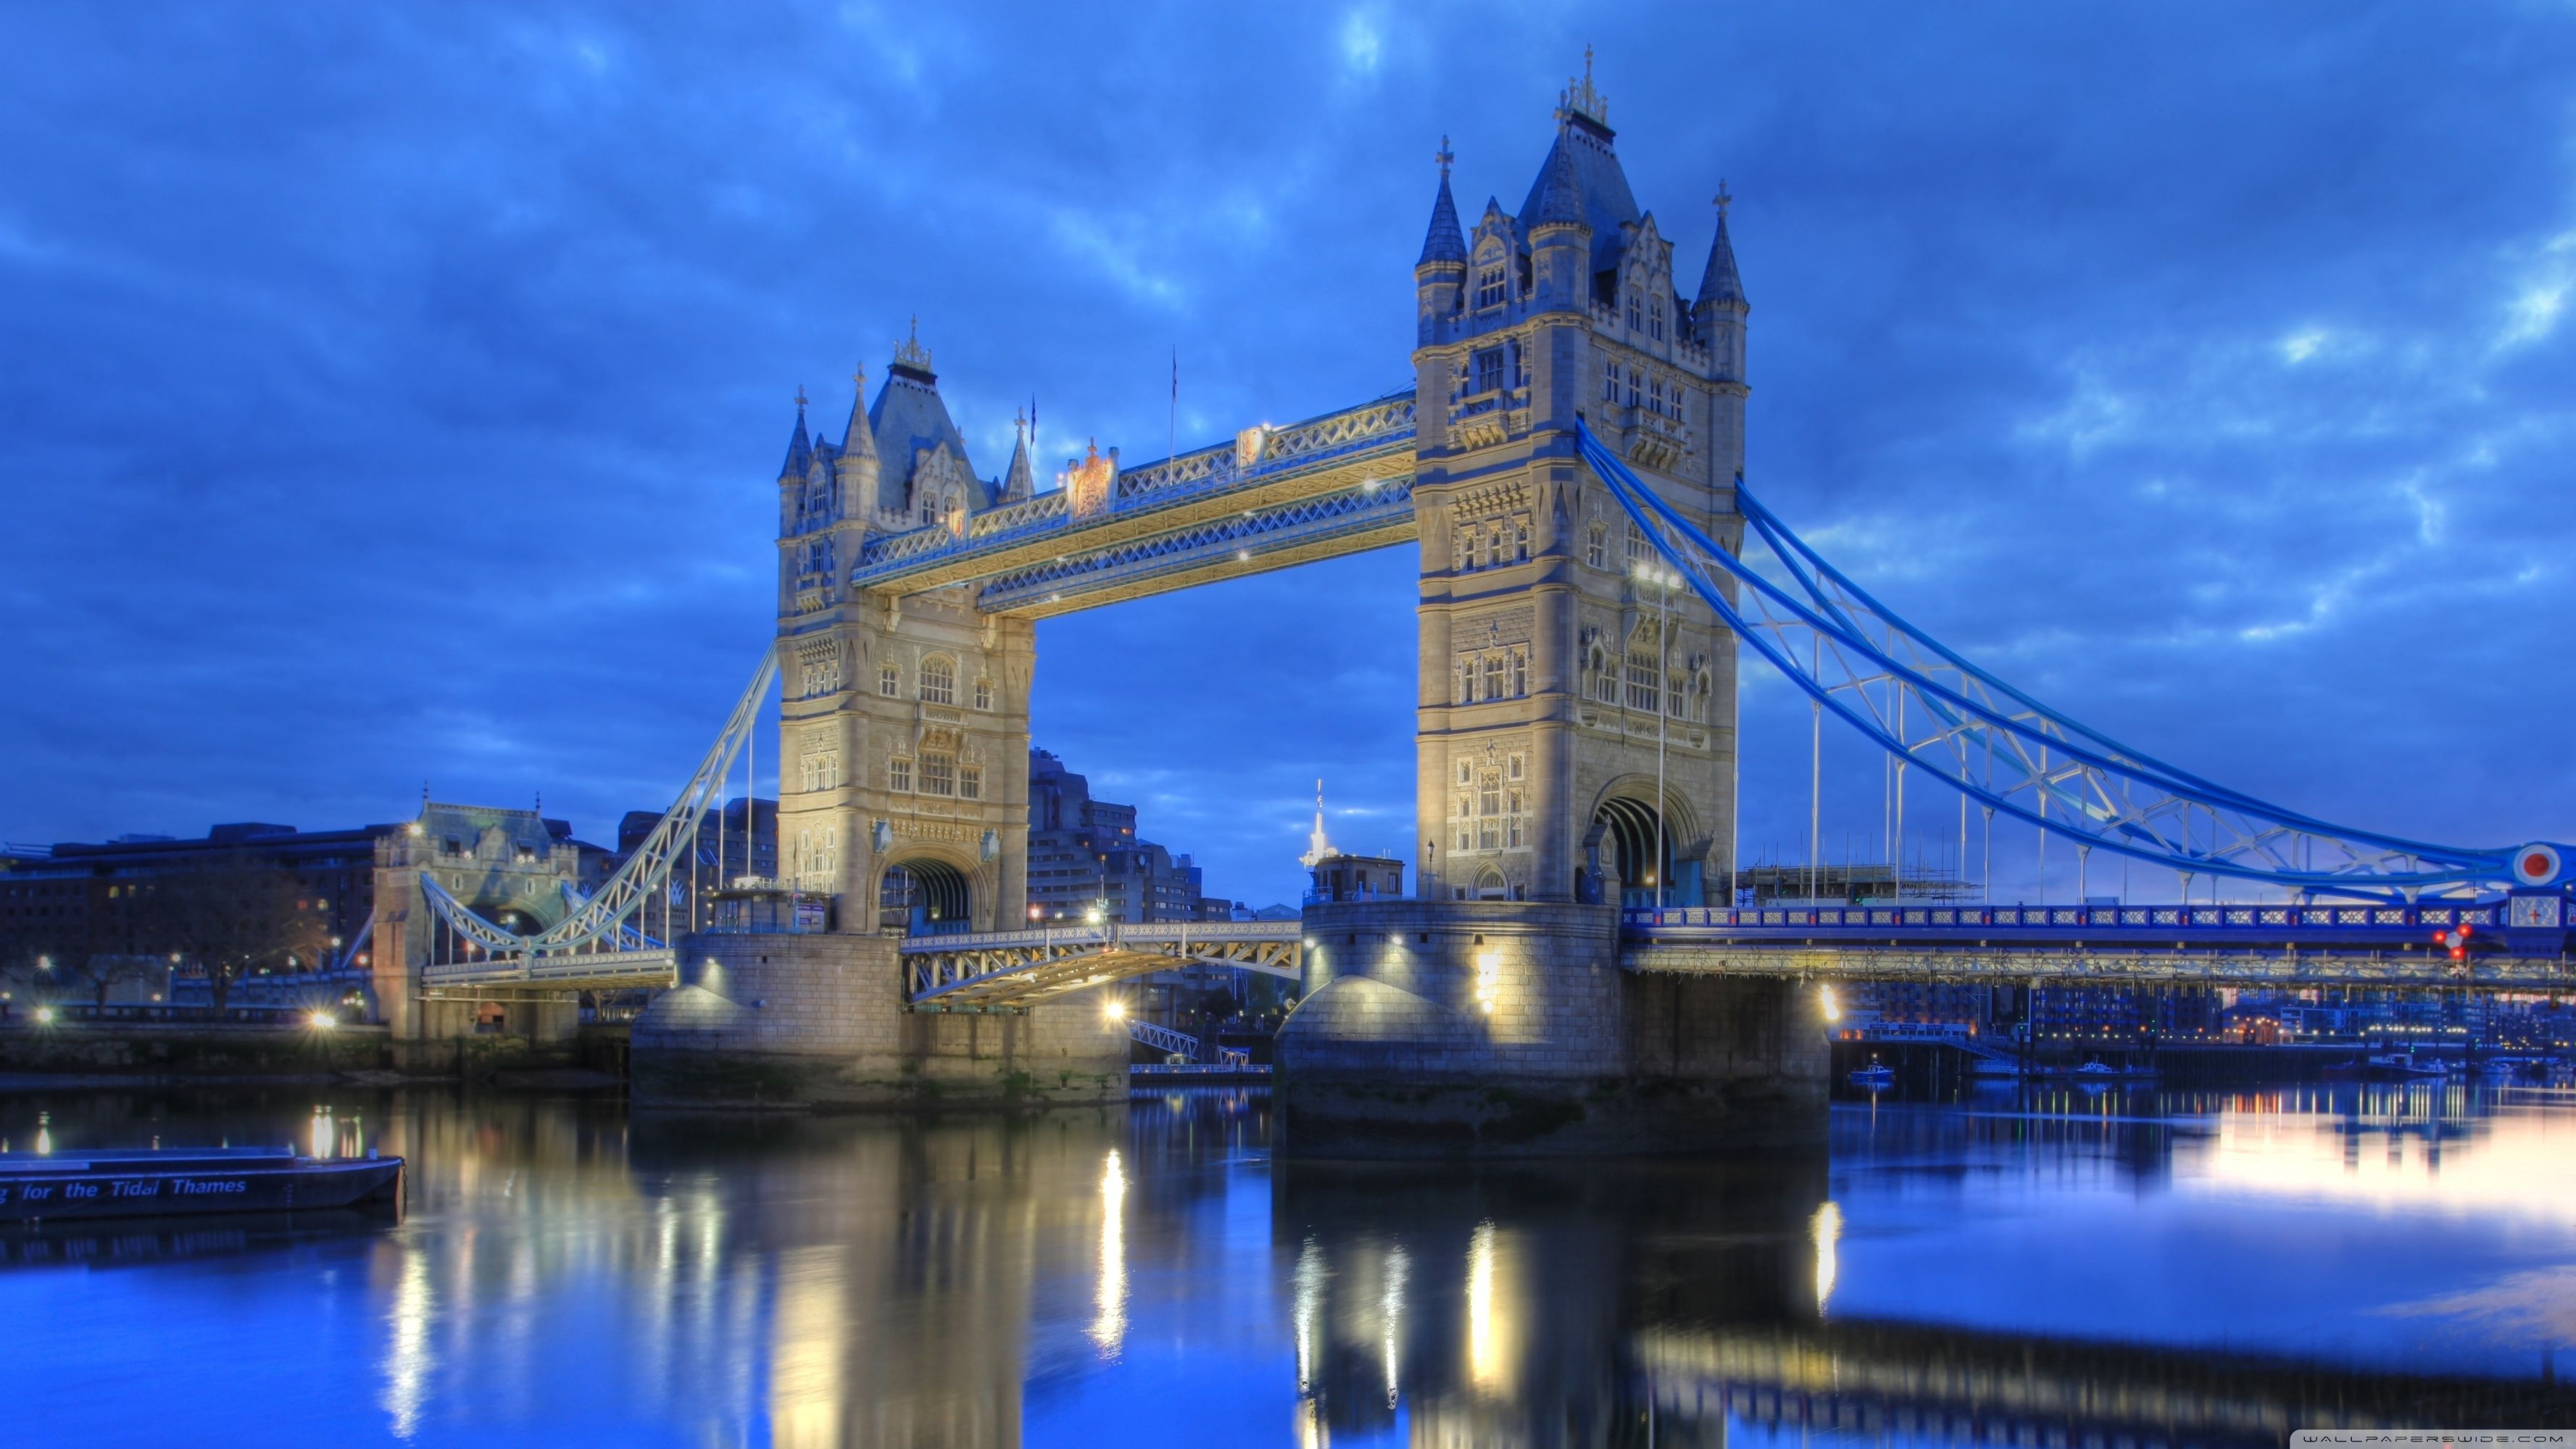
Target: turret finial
(1724, 198)
(1444, 156)
(859, 375)
(910, 353)
(1020, 423)
(1580, 98)
(800, 399)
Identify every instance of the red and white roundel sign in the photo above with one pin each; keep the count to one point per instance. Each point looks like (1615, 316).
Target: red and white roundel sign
(2536, 865)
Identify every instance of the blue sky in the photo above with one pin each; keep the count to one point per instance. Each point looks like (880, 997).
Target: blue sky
(392, 394)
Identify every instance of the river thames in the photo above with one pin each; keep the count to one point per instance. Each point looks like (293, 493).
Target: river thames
(2121, 1270)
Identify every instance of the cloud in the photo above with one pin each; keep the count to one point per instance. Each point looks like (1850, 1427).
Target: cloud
(394, 393)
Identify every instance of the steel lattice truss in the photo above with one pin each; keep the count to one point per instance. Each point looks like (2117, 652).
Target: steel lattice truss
(1934, 710)
(612, 916)
(1011, 969)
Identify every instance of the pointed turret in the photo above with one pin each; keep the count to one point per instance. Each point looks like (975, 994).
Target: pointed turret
(1560, 190)
(1445, 241)
(800, 449)
(1018, 481)
(1719, 283)
(1719, 312)
(858, 440)
(1440, 278)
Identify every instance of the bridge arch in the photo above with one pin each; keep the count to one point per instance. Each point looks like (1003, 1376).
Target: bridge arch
(1621, 843)
(924, 894)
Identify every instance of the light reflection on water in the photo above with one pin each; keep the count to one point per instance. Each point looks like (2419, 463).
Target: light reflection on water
(2093, 1271)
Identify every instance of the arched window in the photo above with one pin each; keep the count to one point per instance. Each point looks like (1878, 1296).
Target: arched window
(1655, 319)
(1634, 382)
(1596, 546)
(1494, 667)
(983, 694)
(938, 680)
(1645, 670)
(1609, 381)
(1491, 286)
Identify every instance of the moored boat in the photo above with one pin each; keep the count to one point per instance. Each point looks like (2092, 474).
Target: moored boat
(1874, 1075)
(136, 1183)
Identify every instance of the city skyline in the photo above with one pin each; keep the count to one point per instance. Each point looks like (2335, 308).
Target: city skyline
(427, 427)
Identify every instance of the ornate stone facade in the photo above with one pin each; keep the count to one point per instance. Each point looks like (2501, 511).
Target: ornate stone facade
(1554, 659)
(903, 734)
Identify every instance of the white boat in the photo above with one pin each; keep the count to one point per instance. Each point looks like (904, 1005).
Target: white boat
(1874, 1075)
(2100, 1071)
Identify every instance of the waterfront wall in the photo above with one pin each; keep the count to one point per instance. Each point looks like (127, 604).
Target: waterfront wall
(1507, 1028)
(820, 1021)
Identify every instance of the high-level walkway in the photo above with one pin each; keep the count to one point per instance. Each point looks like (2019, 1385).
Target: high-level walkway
(1275, 496)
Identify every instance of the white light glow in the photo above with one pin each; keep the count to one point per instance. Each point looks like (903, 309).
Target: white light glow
(1109, 1323)
(1827, 1229)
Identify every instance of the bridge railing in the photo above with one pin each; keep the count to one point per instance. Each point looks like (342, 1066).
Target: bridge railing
(2337, 918)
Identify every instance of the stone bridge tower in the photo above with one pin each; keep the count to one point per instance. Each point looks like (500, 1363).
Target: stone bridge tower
(1559, 680)
(1557, 663)
(904, 731)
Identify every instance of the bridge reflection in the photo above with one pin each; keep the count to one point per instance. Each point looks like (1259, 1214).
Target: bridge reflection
(806, 1281)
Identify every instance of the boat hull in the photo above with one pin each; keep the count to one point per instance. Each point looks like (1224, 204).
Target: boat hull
(131, 1191)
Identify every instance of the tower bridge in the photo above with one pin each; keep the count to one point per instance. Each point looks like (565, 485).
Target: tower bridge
(1569, 466)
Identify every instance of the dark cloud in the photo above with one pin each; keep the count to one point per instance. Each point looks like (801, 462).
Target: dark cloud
(393, 392)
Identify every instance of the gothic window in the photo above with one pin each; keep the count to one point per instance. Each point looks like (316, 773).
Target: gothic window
(899, 776)
(1596, 546)
(1466, 681)
(1513, 816)
(1655, 395)
(983, 694)
(1490, 286)
(1645, 670)
(889, 681)
(1520, 365)
(1609, 381)
(1489, 370)
(938, 774)
(1655, 319)
(1700, 687)
(1466, 822)
(1636, 319)
(1494, 667)
(1633, 382)
(1466, 772)
(1476, 548)
(938, 681)
(1521, 539)
(822, 676)
(1514, 766)
(821, 770)
(1489, 810)
(1637, 547)
(1520, 688)
(970, 782)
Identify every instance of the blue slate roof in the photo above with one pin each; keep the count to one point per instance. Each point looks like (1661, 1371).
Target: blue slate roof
(1444, 242)
(908, 418)
(1581, 161)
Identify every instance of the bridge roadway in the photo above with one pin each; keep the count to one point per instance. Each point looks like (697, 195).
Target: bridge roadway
(2224, 945)
(2227, 945)
(1336, 484)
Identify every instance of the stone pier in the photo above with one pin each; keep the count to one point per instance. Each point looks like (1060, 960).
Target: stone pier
(1504, 1028)
(763, 1020)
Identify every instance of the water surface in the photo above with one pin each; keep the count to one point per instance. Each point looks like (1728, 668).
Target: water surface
(2110, 1271)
